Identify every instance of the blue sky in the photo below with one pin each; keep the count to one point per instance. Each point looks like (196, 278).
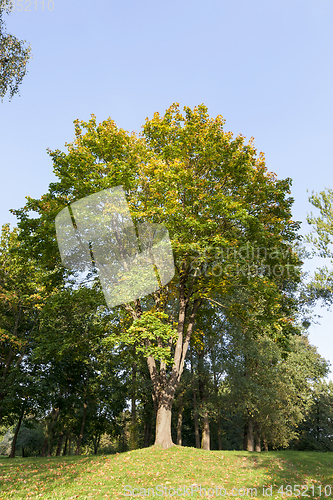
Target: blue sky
(266, 66)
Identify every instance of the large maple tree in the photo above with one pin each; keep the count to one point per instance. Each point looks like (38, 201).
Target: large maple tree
(215, 196)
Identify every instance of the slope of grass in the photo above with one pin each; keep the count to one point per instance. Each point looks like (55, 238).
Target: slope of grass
(166, 473)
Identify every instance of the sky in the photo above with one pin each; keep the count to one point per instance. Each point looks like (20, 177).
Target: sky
(265, 66)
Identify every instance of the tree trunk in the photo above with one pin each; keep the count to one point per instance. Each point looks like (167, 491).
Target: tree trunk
(12, 452)
(50, 445)
(245, 437)
(55, 415)
(195, 406)
(180, 419)
(44, 447)
(205, 441)
(96, 441)
(257, 436)
(79, 441)
(69, 444)
(196, 420)
(133, 438)
(147, 434)
(60, 440)
(65, 447)
(219, 430)
(216, 390)
(164, 385)
(265, 444)
(47, 445)
(250, 437)
(205, 436)
(163, 426)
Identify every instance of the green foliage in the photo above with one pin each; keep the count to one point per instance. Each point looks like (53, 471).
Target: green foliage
(160, 335)
(320, 238)
(274, 389)
(215, 196)
(322, 234)
(23, 291)
(14, 56)
(316, 431)
(30, 439)
(106, 476)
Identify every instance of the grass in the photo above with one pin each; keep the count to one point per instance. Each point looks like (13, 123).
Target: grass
(105, 477)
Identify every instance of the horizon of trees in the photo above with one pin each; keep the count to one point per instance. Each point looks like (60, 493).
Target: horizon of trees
(219, 357)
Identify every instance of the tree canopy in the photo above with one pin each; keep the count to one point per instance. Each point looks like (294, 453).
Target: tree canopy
(229, 221)
(14, 56)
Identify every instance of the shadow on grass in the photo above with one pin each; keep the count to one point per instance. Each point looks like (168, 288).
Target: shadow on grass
(105, 477)
(308, 472)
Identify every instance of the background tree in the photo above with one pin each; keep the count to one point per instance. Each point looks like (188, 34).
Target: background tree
(14, 56)
(316, 430)
(272, 389)
(24, 287)
(321, 286)
(83, 376)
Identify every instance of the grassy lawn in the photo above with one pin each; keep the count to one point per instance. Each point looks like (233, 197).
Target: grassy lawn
(115, 476)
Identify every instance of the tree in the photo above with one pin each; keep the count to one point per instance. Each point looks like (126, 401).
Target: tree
(272, 388)
(212, 192)
(23, 290)
(316, 431)
(79, 373)
(321, 239)
(14, 56)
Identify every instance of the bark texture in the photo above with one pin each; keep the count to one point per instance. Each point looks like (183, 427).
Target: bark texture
(180, 419)
(205, 441)
(250, 436)
(163, 426)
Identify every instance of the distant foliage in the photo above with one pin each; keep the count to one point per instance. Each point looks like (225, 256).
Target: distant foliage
(14, 56)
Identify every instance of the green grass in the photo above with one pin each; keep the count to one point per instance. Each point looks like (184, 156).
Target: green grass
(105, 477)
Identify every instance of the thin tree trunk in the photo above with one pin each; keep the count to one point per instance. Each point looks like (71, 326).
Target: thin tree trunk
(50, 445)
(79, 441)
(55, 415)
(133, 438)
(60, 440)
(147, 434)
(250, 437)
(12, 452)
(196, 420)
(245, 437)
(65, 447)
(265, 444)
(44, 447)
(216, 390)
(205, 436)
(148, 413)
(219, 429)
(195, 406)
(96, 441)
(205, 441)
(69, 444)
(180, 419)
(257, 436)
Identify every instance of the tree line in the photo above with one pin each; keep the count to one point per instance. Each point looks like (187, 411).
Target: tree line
(217, 358)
